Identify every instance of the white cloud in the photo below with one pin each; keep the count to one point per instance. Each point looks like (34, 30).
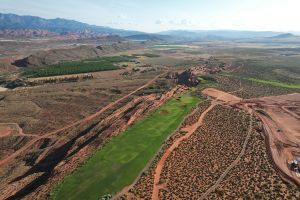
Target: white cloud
(158, 21)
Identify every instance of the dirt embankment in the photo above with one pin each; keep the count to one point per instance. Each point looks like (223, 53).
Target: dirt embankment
(50, 158)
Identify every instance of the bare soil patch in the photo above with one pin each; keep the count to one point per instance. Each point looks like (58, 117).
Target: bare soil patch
(282, 127)
(220, 95)
(2, 89)
(4, 131)
(163, 112)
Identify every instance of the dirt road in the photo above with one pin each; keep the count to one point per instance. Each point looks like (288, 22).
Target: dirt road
(232, 165)
(11, 157)
(190, 130)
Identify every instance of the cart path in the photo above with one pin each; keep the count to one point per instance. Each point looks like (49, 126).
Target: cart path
(190, 129)
(232, 165)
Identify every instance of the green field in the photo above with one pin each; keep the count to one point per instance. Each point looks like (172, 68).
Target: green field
(276, 84)
(172, 46)
(77, 67)
(206, 80)
(268, 82)
(149, 55)
(121, 160)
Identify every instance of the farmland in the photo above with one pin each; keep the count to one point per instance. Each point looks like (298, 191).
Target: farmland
(125, 156)
(76, 67)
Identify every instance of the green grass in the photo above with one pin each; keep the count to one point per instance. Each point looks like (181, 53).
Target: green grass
(158, 46)
(149, 55)
(113, 59)
(276, 84)
(206, 80)
(77, 67)
(121, 160)
(268, 82)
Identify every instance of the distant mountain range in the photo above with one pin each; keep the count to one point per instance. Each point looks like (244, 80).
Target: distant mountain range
(220, 34)
(12, 25)
(58, 25)
(285, 36)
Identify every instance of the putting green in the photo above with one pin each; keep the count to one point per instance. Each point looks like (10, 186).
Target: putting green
(121, 160)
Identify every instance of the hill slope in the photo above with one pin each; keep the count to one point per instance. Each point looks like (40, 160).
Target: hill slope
(55, 56)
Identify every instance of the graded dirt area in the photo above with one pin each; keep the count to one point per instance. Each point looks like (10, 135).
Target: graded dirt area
(220, 95)
(4, 131)
(282, 127)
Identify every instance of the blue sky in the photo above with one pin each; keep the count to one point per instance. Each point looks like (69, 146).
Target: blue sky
(158, 15)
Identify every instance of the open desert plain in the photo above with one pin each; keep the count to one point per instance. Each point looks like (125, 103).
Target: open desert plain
(91, 112)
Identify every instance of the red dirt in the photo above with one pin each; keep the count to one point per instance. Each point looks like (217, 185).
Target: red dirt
(281, 125)
(141, 104)
(12, 129)
(5, 131)
(220, 95)
(11, 157)
(190, 129)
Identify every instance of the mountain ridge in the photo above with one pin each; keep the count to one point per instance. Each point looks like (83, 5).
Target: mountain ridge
(57, 25)
(220, 34)
(27, 23)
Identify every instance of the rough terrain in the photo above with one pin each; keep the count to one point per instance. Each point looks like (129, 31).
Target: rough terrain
(48, 156)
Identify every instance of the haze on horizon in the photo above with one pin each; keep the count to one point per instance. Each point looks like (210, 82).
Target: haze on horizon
(157, 15)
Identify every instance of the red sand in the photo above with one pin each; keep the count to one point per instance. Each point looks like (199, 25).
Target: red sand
(220, 95)
(190, 130)
(5, 131)
(281, 125)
